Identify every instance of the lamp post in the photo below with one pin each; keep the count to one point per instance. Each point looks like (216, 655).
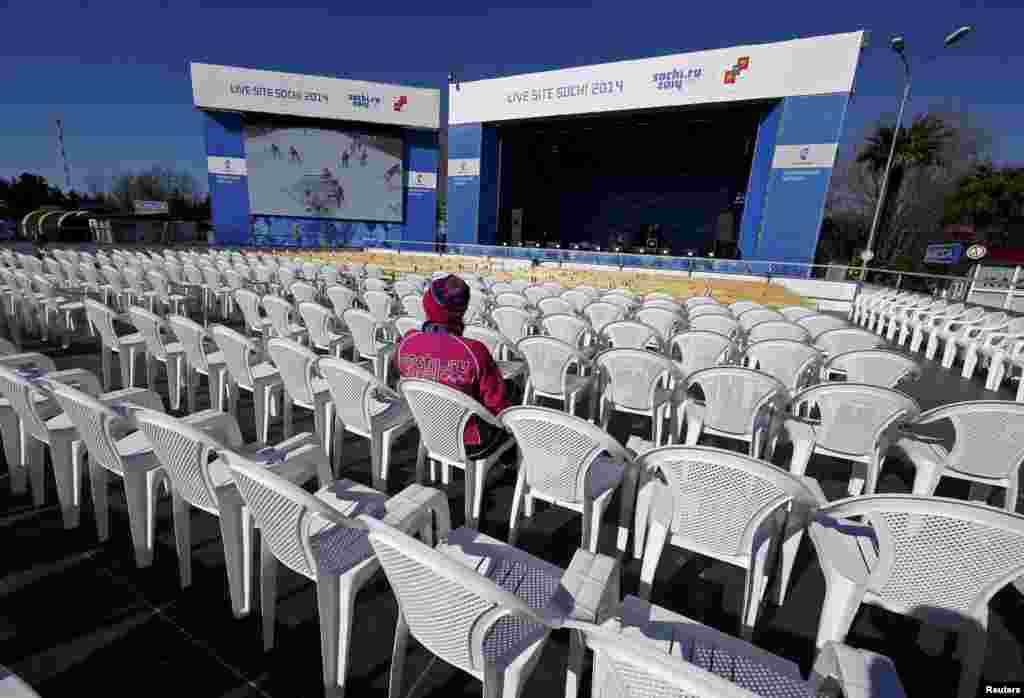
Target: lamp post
(898, 45)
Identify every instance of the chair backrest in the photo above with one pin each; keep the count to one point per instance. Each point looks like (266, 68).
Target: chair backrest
(235, 278)
(819, 324)
(852, 416)
(341, 299)
(796, 312)
(755, 316)
(549, 360)
(632, 375)
(102, 319)
(249, 302)
(571, 329)
(495, 341)
(661, 318)
(577, 298)
(192, 274)
(886, 369)
(697, 349)
(502, 287)
(719, 498)
(724, 325)
(413, 306)
(794, 363)
(703, 309)
(297, 365)
(113, 278)
(514, 323)
(627, 303)
(555, 306)
(740, 307)
(211, 276)
(558, 450)
(734, 396)
(20, 391)
(96, 424)
(441, 414)
(601, 313)
(628, 334)
(363, 327)
(777, 329)
(286, 277)
(317, 320)
(535, 294)
(846, 339)
(356, 393)
(89, 273)
(148, 325)
(379, 304)
(186, 454)
(279, 312)
(935, 555)
(511, 300)
(159, 283)
(374, 284)
(191, 335)
(989, 436)
(238, 354)
(656, 301)
(303, 292)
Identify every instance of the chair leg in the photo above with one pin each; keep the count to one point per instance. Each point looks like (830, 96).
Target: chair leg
(479, 477)
(517, 504)
(376, 457)
(468, 495)
(657, 534)
(98, 483)
(268, 595)
(105, 361)
(397, 671)
(175, 364)
(68, 477)
(385, 458)
(972, 645)
(127, 358)
(137, 492)
(236, 530)
(182, 537)
(11, 435)
(191, 378)
(336, 601)
(260, 396)
(421, 461)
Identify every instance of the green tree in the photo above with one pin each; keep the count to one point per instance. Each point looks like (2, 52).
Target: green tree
(989, 198)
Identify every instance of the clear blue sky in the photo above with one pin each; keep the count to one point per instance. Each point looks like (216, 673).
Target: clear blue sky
(117, 72)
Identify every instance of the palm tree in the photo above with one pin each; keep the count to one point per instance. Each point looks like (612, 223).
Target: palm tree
(922, 144)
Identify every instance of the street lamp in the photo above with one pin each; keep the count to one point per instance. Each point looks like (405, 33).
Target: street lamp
(898, 44)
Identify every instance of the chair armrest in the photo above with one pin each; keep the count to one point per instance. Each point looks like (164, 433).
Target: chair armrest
(28, 359)
(139, 397)
(221, 425)
(78, 378)
(857, 673)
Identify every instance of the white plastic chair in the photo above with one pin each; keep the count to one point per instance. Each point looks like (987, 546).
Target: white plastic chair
(200, 361)
(509, 362)
(247, 371)
(755, 316)
(926, 322)
(850, 421)
(991, 351)
(629, 334)
(303, 292)
(557, 371)
(638, 382)
(666, 322)
(379, 304)
(279, 311)
(958, 345)
(577, 298)
(190, 450)
(303, 387)
(817, 325)
(742, 306)
(413, 306)
(647, 650)
(773, 330)
(105, 427)
(571, 329)
(554, 306)
(601, 313)
(373, 340)
(736, 403)
(846, 339)
(794, 363)
(937, 560)
(951, 329)
(569, 462)
(319, 322)
(255, 323)
(886, 369)
(128, 347)
(796, 312)
(171, 355)
(321, 538)
(694, 350)
(442, 414)
(915, 315)
(513, 323)
(702, 309)
(341, 299)
(727, 506)
(723, 324)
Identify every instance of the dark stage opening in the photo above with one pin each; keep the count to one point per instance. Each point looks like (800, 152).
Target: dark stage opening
(653, 180)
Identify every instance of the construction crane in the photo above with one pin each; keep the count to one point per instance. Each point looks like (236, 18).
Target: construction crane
(63, 157)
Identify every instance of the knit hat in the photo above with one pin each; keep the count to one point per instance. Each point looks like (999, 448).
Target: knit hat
(445, 302)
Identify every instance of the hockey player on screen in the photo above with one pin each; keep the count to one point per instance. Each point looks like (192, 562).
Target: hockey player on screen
(362, 158)
(275, 151)
(344, 159)
(392, 173)
(293, 154)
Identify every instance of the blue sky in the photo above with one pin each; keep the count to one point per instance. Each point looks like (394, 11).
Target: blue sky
(117, 72)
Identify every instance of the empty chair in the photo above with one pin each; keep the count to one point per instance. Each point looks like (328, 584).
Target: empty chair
(503, 352)
(664, 321)
(319, 322)
(736, 403)
(104, 425)
(248, 372)
(557, 371)
(372, 342)
(374, 285)
(725, 325)
(950, 329)
(570, 463)
(200, 360)
(850, 421)
(834, 342)
(775, 329)
(341, 299)
(914, 316)
(255, 323)
(279, 312)
(937, 560)
(695, 301)
(442, 414)
(886, 369)
(406, 288)
(730, 507)
(991, 350)
(570, 329)
(627, 334)
(303, 387)
(172, 302)
(364, 405)
(958, 344)
(796, 312)
(647, 650)
(819, 324)
(555, 306)
(535, 294)
(128, 347)
(413, 307)
(627, 303)
(502, 287)
(577, 298)
(926, 322)
(702, 309)
(754, 316)
(638, 382)
(695, 349)
(892, 318)
(189, 450)
(303, 292)
(740, 307)
(217, 292)
(378, 303)
(663, 304)
(793, 363)
(320, 538)
(600, 314)
(513, 323)
(511, 300)
(405, 324)
(159, 351)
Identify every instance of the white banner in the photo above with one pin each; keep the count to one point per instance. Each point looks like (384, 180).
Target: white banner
(422, 180)
(269, 92)
(218, 165)
(817, 65)
(807, 155)
(464, 167)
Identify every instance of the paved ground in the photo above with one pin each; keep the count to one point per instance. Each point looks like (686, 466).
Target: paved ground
(76, 616)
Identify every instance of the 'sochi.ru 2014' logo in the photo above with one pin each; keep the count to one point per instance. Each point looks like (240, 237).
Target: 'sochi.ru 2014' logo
(677, 79)
(733, 74)
(364, 101)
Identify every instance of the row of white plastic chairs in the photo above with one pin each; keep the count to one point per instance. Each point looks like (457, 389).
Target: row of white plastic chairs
(553, 446)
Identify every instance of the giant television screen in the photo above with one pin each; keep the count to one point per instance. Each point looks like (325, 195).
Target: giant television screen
(324, 173)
